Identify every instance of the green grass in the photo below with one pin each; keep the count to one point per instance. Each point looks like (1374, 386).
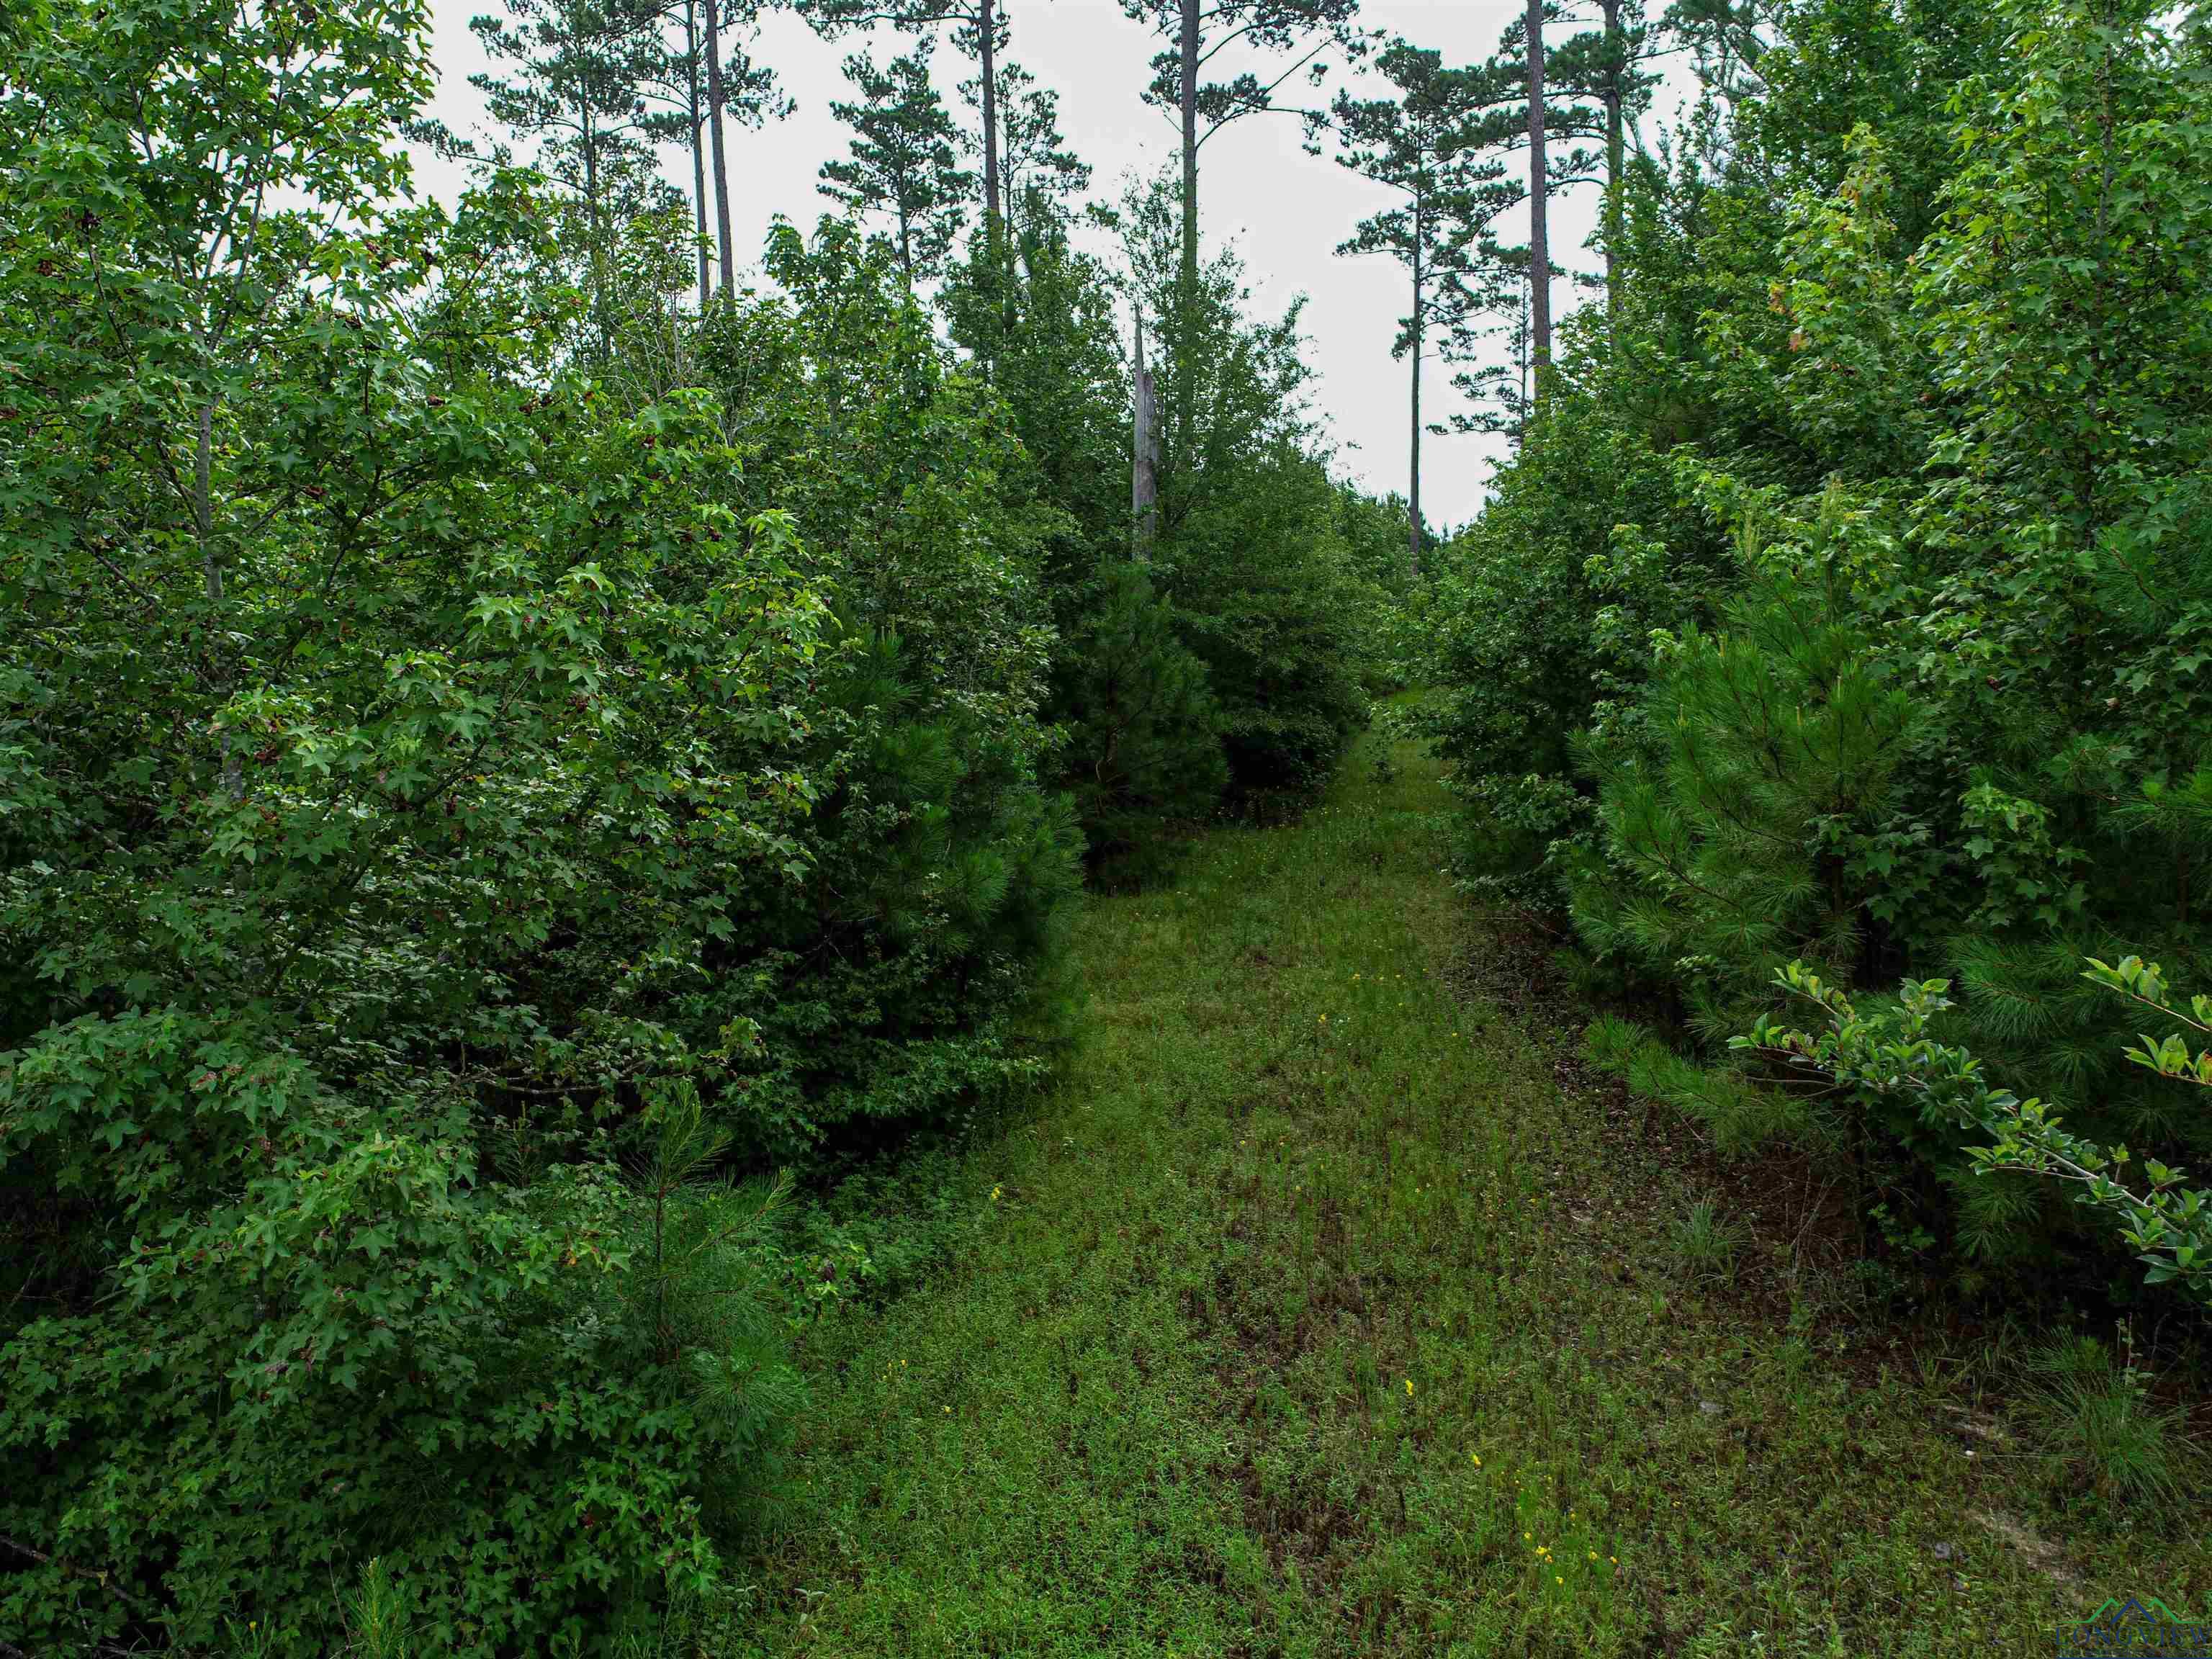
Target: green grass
(1312, 1315)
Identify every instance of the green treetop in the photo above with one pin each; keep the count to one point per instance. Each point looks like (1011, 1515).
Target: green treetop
(903, 163)
(1415, 143)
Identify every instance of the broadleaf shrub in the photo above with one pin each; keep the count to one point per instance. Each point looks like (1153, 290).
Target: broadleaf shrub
(1841, 603)
(465, 801)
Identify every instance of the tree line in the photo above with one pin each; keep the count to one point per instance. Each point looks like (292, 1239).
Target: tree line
(602, 85)
(539, 780)
(1824, 668)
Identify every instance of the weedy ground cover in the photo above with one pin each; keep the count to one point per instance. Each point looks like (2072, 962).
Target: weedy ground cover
(1327, 1309)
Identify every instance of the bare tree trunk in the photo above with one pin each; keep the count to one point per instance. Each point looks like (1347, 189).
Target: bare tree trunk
(1419, 331)
(1616, 72)
(715, 102)
(985, 18)
(1521, 350)
(1539, 252)
(698, 143)
(1188, 97)
(1145, 457)
(995, 238)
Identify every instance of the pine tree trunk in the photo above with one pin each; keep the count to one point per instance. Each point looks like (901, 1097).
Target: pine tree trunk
(590, 147)
(1521, 351)
(1419, 329)
(1616, 73)
(1188, 286)
(991, 206)
(698, 144)
(1144, 454)
(1539, 252)
(994, 225)
(715, 104)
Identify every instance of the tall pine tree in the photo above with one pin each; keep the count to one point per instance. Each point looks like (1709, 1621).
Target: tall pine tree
(576, 84)
(1601, 82)
(1417, 144)
(903, 164)
(1289, 37)
(979, 31)
(1034, 155)
(1524, 114)
(700, 86)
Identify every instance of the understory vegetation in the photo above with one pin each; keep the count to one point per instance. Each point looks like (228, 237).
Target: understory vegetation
(1327, 1307)
(1838, 623)
(704, 960)
(493, 769)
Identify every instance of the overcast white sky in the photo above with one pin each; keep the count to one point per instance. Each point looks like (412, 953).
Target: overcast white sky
(1284, 211)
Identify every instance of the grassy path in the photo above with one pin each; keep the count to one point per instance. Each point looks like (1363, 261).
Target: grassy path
(1315, 1316)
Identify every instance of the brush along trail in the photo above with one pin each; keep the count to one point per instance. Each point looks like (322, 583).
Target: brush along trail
(1325, 1308)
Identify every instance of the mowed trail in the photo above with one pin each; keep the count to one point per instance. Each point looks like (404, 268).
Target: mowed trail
(1314, 1314)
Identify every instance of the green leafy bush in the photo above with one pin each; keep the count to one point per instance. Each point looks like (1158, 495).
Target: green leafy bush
(1263, 598)
(1890, 1059)
(1861, 542)
(1542, 618)
(1741, 817)
(1250, 548)
(1143, 756)
(451, 815)
(321, 1332)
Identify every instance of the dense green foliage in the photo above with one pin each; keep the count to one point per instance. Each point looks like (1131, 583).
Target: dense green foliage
(543, 798)
(1251, 549)
(1386, 1335)
(1891, 1061)
(491, 767)
(431, 777)
(1842, 605)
